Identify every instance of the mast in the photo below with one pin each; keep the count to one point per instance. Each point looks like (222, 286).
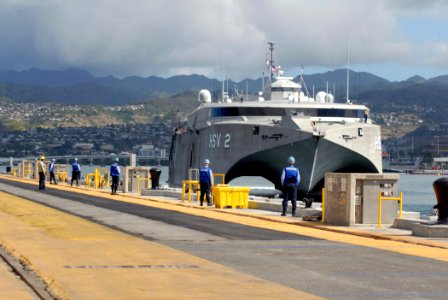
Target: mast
(348, 68)
(214, 82)
(270, 66)
(262, 80)
(223, 90)
(271, 61)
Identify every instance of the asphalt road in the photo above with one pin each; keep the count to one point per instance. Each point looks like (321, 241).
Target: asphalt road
(324, 268)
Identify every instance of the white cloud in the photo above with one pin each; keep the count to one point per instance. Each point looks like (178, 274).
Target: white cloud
(164, 37)
(439, 57)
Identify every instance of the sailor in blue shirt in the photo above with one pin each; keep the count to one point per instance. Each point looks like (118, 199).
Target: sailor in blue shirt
(290, 180)
(51, 169)
(76, 172)
(115, 174)
(205, 182)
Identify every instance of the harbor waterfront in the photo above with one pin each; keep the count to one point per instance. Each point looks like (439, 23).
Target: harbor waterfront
(73, 236)
(417, 189)
(418, 193)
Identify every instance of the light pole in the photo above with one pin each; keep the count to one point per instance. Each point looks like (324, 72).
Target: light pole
(438, 145)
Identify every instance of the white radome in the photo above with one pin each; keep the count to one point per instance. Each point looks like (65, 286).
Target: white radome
(204, 96)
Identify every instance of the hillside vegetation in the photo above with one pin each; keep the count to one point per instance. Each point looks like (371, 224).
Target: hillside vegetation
(400, 107)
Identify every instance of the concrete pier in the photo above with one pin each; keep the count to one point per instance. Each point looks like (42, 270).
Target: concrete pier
(88, 244)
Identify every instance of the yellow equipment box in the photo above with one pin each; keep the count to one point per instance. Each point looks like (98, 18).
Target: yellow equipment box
(227, 196)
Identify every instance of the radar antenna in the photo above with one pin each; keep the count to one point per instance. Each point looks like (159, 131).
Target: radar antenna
(271, 66)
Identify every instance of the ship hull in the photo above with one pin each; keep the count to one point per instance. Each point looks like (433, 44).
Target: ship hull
(262, 150)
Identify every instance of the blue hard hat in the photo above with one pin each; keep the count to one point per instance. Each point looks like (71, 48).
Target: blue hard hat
(291, 160)
(206, 161)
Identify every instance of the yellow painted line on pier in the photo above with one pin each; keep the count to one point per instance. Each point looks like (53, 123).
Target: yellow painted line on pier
(11, 287)
(79, 259)
(393, 244)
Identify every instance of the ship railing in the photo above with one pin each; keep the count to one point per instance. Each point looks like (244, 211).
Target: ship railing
(222, 178)
(188, 187)
(191, 186)
(146, 183)
(381, 197)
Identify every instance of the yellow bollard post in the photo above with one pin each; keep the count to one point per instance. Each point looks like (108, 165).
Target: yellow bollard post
(88, 179)
(138, 184)
(95, 179)
(381, 198)
(189, 191)
(198, 193)
(323, 205)
(379, 210)
(183, 191)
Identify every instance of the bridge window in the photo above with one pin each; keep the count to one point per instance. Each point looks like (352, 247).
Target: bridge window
(279, 111)
(284, 89)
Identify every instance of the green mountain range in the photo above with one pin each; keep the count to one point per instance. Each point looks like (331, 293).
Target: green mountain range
(401, 107)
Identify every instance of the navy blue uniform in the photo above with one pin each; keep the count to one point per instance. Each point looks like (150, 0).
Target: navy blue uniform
(115, 174)
(205, 183)
(52, 176)
(76, 173)
(290, 180)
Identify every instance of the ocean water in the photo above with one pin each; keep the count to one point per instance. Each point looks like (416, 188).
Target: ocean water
(418, 193)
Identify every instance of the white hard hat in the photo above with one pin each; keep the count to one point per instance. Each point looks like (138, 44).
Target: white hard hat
(291, 160)
(116, 159)
(206, 161)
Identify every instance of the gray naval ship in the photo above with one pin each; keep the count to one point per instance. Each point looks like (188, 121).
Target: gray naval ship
(255, 138)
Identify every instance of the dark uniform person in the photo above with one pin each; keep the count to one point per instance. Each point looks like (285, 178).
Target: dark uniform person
(205, 182)
(290, 180)
(76, 172)
(51, 169)
(41, 171)
(115, 174)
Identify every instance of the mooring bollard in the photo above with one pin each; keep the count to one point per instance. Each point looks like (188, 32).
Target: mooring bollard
(441, 190)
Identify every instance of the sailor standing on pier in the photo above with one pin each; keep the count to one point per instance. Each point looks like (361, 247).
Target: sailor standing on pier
(290, 179)
(51, 169)
(115, 174)
(205, 182)
(41, 171)
(76, 172)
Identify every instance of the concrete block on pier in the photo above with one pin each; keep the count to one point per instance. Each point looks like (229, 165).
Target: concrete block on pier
(406, 223)
(430, 230)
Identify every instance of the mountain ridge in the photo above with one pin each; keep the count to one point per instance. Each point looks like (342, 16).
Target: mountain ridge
(76, 86)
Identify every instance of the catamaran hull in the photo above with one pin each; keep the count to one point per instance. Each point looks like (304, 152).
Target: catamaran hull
(259, 150)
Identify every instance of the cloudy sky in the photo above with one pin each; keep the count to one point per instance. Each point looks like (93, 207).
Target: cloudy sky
(394, 39)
